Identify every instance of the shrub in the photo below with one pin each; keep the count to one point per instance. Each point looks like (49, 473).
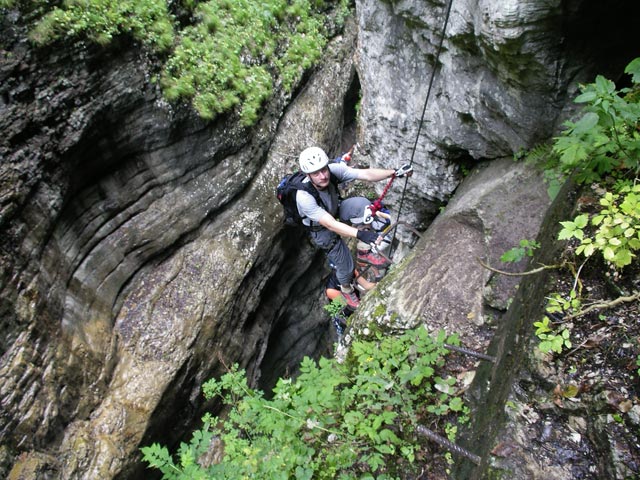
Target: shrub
(350, 420)
(606, 138)
(615, 228)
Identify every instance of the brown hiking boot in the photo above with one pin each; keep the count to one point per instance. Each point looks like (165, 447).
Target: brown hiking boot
(351, 298)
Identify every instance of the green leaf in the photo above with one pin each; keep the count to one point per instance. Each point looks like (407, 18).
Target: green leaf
(387, 435)
(573, 154)
(608, 253)
(623, 257)
(545, 346)
(456, 404)
(633, 69)
(588, 250)
(586, 123)
(581, 221)
(587, 96)
(565, 234)
(553, 188)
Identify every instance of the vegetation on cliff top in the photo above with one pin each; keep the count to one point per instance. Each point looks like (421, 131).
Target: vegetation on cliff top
(222, 55)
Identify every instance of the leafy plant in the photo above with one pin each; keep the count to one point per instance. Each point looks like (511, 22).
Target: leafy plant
(556, 303)
(524, 249)
(605, 140)
(354, 419)
(606, 137)
(552, 339)
(617, 227)
(336, 306)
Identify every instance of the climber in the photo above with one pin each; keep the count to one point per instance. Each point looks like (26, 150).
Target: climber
(325, 231)
(357, 211)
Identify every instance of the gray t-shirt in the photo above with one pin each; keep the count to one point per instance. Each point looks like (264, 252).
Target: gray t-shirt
(307, 205)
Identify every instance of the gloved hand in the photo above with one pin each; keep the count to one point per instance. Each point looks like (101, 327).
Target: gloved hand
(367, 236)
(405, 170)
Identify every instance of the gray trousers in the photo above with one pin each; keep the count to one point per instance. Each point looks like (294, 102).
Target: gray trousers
(337, 252)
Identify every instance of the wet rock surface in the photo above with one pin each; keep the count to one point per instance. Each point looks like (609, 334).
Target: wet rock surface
(142, 252)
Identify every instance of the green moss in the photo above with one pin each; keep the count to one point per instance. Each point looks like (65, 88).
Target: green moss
(379, 311)
(100, 21)
(497, 474)
(229, 59)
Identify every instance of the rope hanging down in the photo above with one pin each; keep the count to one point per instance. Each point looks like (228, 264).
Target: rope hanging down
(424, 109)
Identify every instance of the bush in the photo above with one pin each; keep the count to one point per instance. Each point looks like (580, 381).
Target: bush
(350, 420)
(229, 58)
(606, 139)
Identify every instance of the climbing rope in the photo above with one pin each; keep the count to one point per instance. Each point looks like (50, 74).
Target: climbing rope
(424, 110)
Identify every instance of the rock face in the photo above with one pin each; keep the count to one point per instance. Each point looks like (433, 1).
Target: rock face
(502, 80)
(142, 253)
(141, 250)
(442, 283)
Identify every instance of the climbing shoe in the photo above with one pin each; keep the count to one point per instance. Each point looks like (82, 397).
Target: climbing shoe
(367, 257)
(351, 298)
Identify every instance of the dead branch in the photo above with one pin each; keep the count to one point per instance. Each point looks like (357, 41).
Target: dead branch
(603, 305)
(514, 274)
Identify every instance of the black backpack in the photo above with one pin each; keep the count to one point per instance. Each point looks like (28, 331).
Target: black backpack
(286, 193)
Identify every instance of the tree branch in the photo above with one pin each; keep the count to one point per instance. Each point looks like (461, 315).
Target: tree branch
(512, 274)
(603, 305)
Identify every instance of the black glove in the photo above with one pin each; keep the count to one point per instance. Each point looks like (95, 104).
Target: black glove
(404, 170)
(367, 236)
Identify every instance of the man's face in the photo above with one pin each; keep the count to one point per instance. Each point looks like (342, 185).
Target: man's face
(321, 178)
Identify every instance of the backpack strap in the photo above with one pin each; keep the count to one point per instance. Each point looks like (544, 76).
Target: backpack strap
(313, 191)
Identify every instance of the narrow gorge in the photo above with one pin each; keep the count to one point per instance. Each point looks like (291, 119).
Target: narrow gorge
(142, 249)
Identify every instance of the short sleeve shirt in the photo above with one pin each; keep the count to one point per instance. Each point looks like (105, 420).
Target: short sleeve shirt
(307, 205)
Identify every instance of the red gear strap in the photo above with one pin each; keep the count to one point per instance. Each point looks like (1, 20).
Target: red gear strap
(376, 206)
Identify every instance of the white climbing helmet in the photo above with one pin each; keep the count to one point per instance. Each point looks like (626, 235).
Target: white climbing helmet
(313, 159)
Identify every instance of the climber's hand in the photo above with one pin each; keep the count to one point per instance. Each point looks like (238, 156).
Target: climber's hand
(367, 236)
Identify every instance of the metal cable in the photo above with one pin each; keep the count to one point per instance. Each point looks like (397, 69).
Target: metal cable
(446, 443)
(424, 110)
